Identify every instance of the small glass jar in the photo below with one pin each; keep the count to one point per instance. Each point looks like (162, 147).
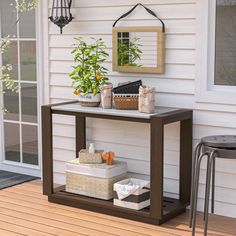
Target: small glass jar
(146, 99)
(106, 96)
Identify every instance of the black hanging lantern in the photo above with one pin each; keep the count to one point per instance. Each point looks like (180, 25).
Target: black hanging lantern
(61, 15)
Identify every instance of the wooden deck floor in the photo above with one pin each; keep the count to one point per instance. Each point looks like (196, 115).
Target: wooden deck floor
(25, 211)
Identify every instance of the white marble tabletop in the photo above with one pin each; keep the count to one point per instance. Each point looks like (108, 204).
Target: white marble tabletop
(75, 107)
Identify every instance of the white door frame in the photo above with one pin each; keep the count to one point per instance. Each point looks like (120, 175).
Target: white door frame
(19, 167)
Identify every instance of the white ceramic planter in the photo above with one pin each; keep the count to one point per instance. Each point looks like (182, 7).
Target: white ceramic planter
(90, 100)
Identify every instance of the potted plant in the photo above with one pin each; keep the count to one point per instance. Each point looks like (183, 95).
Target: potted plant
(89, 74)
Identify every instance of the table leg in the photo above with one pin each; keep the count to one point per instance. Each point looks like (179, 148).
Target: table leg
(156, 168)
(80, 123)
(186, 134)
(47, 150)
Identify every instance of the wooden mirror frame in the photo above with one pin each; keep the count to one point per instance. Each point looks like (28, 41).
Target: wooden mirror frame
(159, 69)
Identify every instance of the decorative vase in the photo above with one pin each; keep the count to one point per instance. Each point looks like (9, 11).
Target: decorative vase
(146, 99)
(90, 100)
(106, 95)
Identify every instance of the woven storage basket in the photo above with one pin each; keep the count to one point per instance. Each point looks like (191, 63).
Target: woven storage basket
(126, 101)
(94, 180)
(101, 188)
(138, 200)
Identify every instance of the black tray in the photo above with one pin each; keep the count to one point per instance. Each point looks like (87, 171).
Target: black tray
(130, 88)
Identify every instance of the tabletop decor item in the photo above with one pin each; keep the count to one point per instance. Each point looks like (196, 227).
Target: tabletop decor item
(126, 96)
(94, 180)
(89, 74)
(146, 99)
(106, 95)
(128, 87)
(126, 101)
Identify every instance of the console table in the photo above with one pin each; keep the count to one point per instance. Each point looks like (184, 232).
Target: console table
(161, 208)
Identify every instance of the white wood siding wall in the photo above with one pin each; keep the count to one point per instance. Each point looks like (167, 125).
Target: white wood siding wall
(175, 88)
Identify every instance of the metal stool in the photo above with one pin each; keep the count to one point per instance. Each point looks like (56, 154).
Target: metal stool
(219, 146)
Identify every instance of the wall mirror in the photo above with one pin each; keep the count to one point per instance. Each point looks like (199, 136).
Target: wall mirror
(138, 49)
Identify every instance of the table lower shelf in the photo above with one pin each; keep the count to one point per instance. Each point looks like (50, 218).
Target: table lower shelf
(171, 207)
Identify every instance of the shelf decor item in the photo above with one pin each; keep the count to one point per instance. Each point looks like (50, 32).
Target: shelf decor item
(61, 14)
(132, 193)
(94, 180)
(91, 148)
(108, 157)
(90, 158)
(88, 75)
(146, 99)
(106, 96)
(126, 96)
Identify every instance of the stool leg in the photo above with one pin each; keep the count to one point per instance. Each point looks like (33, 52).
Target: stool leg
(207, 170)
(194, 206)
(194, 162)
(208, 191)
(213, 185)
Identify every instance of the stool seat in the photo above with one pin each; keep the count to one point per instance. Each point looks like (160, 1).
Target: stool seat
(225, 153)
(220, 141)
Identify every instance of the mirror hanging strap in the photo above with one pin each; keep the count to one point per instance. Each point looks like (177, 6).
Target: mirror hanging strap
(147, 9)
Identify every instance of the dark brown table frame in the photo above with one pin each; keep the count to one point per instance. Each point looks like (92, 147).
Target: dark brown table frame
(161, 208)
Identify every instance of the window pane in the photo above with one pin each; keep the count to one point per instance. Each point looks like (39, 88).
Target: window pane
(27, 25)
(8, 18)
(29, 102)
(12, 142)
(225, 64)
(28, 60)
(30, 144)
(10, 57)
(11, 103)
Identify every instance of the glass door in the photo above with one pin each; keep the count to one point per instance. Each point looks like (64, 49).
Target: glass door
(20, 122)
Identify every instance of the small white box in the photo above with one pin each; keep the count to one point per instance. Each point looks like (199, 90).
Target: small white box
(138, 200)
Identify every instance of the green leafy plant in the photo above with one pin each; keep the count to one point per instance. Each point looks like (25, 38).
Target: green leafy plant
(129, 52)
(89, 73)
